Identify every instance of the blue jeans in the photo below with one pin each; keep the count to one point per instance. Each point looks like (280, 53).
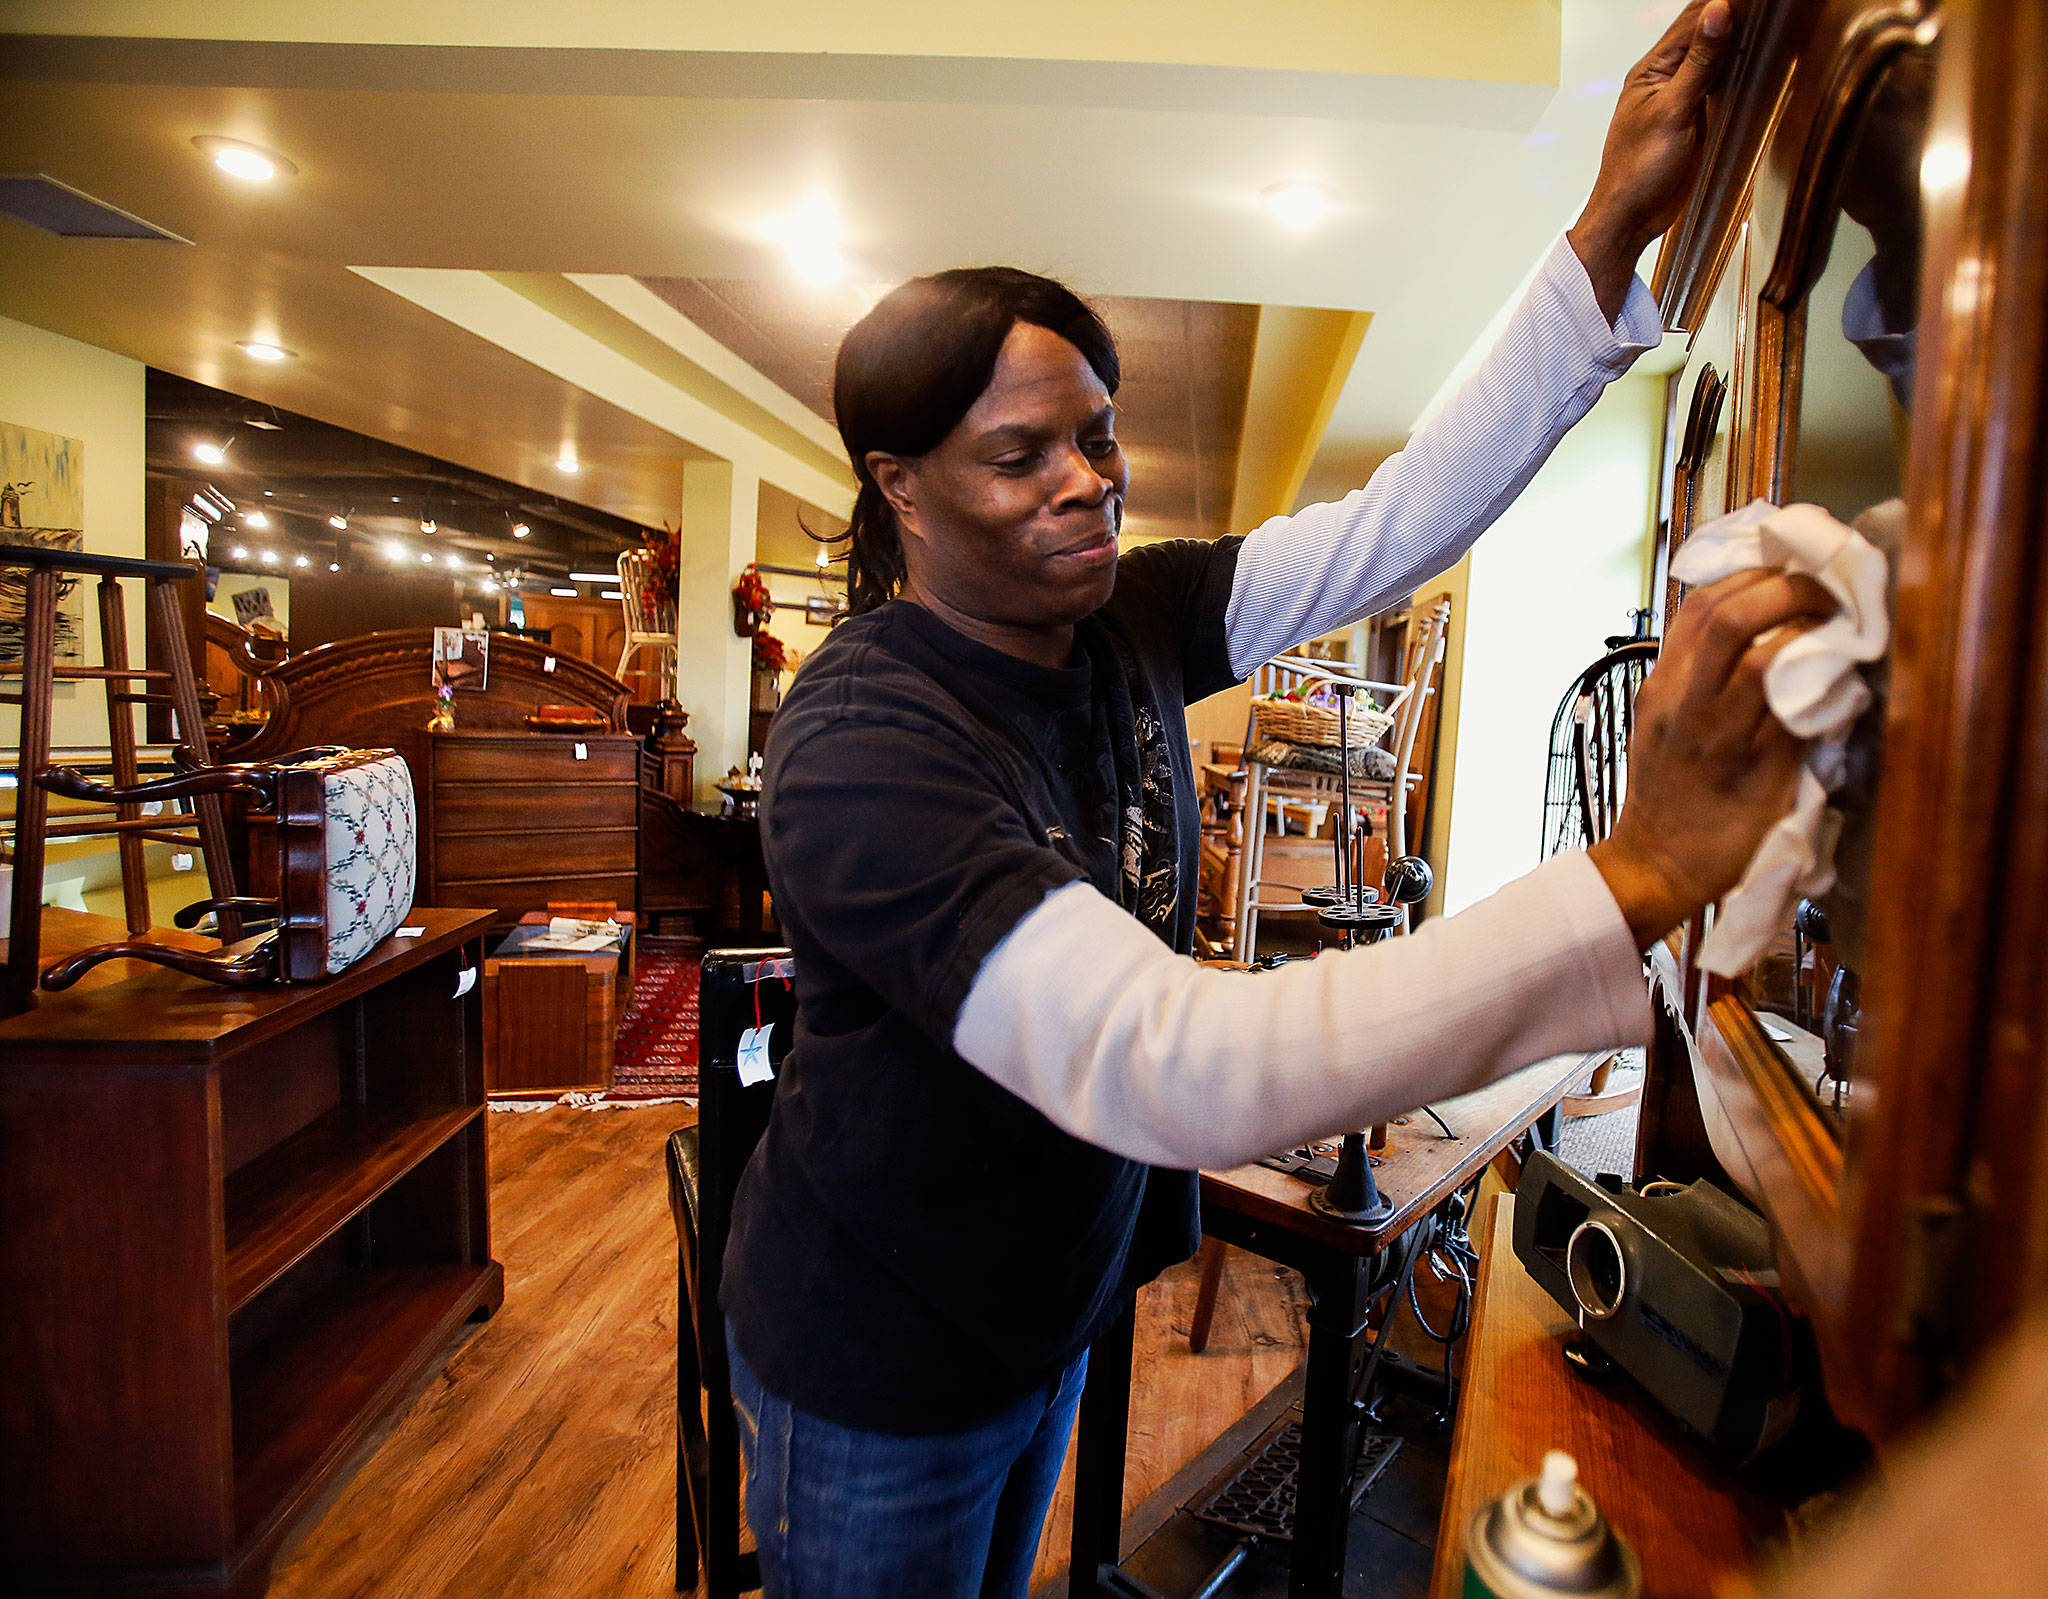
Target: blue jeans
(839, 1513)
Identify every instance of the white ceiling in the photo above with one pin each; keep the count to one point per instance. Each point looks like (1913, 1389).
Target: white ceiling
(463, 137)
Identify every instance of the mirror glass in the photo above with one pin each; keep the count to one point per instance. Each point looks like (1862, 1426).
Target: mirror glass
(1847, 454)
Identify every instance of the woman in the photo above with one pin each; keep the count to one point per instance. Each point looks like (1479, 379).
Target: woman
(981, 833)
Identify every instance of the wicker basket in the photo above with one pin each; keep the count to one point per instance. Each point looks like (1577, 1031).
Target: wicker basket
(1301, 723)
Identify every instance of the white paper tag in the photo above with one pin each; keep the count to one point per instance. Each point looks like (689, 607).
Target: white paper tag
(465, 980)
(754, 1067)
(548, 665)
(410, 932)
(582, 752)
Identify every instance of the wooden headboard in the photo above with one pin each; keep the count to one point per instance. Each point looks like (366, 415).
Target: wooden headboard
(376, 691)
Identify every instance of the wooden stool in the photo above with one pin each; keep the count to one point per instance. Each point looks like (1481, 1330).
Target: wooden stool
(130, 828)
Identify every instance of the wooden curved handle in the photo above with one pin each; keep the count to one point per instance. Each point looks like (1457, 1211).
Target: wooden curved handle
(74, 784)
(248, 965)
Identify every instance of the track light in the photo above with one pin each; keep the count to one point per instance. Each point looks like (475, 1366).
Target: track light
(338, 522)
(211, 453)
(520, 530)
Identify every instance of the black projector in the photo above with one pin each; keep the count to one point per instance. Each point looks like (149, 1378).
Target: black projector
(1678, 1287)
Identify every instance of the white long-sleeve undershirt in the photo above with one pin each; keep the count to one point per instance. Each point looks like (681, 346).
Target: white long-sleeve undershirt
(1085, 1015)
(1326, 566)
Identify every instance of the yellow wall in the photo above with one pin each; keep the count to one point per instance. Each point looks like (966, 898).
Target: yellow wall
(1507, 41)
(1556, 575)
(61, 386)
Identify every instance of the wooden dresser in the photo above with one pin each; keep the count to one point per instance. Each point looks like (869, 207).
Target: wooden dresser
(519, 819)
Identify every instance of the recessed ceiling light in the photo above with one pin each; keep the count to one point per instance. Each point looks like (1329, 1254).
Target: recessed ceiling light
(393, 550)
(239, 553)
(209, 452)
(426, 557)
(824, 558)
(567, 594)
(255, 519)
(269, 557)
(301, 561)
(258, 350)
(520, 530)
(334, 566)
(568, 463)
(1298, 205)
(240, 159)
(817, 261)
(338, 522)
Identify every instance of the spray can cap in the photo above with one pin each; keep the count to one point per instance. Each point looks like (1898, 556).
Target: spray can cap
(1557, 1487)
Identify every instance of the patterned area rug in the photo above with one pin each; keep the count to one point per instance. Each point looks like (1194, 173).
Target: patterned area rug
(656, 1053)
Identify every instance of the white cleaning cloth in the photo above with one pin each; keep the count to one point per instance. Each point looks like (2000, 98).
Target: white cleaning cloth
(1813, 686)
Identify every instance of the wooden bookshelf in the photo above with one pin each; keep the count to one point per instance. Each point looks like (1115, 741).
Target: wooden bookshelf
(235, 1226)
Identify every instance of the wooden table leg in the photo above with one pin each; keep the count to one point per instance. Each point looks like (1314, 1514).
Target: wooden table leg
(1099, 1457)
(1213, 1250)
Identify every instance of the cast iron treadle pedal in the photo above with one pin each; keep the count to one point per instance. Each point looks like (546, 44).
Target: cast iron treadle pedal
(1255, 1493)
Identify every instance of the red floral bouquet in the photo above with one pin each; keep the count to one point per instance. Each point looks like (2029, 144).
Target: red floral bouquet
(658, 594)
(751, 606)
(771, 654)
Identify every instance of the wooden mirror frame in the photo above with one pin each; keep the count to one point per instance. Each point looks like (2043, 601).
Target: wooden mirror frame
(1947, 1142)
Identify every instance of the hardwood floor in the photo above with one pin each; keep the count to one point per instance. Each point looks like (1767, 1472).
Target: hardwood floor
(539, 1459)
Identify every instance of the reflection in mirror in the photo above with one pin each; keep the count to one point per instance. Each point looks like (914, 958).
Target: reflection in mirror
(1848, 455)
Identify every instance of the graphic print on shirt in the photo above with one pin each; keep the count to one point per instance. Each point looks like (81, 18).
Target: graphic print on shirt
(1151, 862)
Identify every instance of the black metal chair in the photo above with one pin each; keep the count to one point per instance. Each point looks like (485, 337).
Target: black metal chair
(738, 989)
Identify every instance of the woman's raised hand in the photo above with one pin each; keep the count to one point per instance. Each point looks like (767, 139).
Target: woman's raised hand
(1654, 143)
(1710, 769)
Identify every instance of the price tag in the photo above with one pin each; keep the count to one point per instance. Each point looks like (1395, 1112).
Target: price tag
(582, 752)
(411, 932)
(548, 665)
(465, 980)
(754, 1066)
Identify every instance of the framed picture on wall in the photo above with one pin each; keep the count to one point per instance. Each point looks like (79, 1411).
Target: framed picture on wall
(42, 502)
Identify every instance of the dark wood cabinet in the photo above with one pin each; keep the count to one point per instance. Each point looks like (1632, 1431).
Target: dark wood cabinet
(235, 1225)
(519, 819)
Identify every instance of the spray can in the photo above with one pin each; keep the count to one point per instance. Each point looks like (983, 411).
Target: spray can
(1545, 1539)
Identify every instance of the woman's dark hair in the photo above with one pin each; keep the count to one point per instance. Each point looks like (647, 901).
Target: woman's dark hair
(911, 368)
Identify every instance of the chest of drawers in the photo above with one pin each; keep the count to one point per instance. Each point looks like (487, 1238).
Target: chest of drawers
(519, 819)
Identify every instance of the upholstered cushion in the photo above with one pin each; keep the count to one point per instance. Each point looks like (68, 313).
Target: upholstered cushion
(372, 845)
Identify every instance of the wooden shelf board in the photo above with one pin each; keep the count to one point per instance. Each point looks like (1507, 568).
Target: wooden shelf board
(286, 1201)
(305, 1398)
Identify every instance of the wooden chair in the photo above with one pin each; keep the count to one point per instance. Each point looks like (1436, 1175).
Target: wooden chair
(644, 630)
(704, 1166)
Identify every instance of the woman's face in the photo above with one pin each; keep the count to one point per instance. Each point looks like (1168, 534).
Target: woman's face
(1013, 518)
